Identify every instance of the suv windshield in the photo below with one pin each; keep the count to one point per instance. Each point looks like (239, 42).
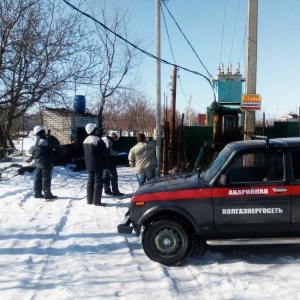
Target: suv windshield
(213, 169)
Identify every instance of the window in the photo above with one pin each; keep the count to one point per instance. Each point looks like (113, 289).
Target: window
(295, 154)
(213, 169)
(256, 166)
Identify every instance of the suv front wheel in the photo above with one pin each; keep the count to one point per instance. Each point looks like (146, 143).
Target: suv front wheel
(167, 242)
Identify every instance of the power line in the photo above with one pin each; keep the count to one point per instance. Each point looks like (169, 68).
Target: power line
(136, 47)
(243, 44)
(180, 83)
(221, 50)
(234, 30)
(187, 41)
(168, 34)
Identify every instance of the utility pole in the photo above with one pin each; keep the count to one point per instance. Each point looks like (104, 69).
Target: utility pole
(299, 120)
(158, 89)
(249, 123)
(190, 107)
(172, 117)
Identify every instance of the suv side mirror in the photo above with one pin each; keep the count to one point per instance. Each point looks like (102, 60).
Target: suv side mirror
(224, 180)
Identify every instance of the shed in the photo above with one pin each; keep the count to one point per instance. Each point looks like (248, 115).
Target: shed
(67, 125)
(290, 117)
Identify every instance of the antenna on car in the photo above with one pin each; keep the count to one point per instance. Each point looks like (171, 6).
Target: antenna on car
(261, 137)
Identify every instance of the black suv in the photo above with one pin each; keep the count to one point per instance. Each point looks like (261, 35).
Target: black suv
(250, 194)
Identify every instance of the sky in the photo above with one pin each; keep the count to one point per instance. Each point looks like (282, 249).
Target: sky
(217, 31)
(67, 250)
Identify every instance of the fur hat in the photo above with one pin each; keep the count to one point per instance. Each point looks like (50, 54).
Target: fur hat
(141, 137)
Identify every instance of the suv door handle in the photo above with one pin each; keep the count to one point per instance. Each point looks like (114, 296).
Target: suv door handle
(280, 190)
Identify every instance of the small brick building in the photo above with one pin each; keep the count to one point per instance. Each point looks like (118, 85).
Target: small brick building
(67, 125)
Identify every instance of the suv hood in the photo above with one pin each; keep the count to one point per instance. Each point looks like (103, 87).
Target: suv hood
(183, 181)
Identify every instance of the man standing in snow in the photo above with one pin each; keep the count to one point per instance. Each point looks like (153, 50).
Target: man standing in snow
(142, 158)
(110, 174)
(43, 154)
(95, 152)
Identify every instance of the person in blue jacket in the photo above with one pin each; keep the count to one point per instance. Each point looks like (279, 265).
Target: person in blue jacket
(43, 155)
(95, 153)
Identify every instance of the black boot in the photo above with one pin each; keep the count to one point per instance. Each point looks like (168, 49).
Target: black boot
(38, 195)
(108, 192)
(118, 194)
(50, 196)
(99, 204)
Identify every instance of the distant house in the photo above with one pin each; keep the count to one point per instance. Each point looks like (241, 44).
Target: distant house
(67, 125)
(290, 117)
(202, 119)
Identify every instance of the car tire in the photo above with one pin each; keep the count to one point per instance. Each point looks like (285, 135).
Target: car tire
(167, 242)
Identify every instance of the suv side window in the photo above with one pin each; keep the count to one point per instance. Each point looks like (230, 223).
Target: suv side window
(256, 167)
(295, 154)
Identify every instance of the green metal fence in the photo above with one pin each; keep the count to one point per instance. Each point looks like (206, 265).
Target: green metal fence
(123, 145)
(286, 129)
(194, 137)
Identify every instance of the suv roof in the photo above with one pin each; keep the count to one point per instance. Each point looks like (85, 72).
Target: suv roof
(260, 144)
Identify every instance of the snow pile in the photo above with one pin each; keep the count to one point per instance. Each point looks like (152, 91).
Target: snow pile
(66, 249)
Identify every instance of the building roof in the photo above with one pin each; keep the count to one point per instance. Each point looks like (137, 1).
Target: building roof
(69, 111)
(289, 114)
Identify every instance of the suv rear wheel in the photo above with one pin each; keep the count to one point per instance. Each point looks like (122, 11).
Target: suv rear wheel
(167, 242)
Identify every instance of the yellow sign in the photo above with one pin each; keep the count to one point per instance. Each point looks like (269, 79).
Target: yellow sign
(251, 102)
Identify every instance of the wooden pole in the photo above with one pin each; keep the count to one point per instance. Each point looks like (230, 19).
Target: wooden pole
(249, 123)
(158, 90)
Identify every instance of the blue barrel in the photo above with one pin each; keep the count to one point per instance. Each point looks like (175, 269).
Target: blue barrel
(79, 104)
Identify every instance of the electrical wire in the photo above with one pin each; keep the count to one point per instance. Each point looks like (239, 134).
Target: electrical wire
(237, 14)
(167, 33)
(181, 87)
(165, 23)
(136, 47)
(187, 40)
(243, 45)
(221, 50)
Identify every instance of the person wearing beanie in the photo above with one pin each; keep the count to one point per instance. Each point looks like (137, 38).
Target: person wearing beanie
(142, 158)
(95, 153)
(43, 155)
(110, 174)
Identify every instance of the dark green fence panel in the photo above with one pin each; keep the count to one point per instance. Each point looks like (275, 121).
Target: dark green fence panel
(267, 131)
(124, 144)
(195, 137)
(286, 129)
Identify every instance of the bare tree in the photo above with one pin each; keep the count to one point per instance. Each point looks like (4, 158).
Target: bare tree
(139, 114)
(192, 116)
(117, 60)
(43, 48)
(167, 116)
(25, 123)
(114, 110)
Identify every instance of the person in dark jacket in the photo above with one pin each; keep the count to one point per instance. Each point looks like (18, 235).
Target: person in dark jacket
(95, 152)
(110, 174)
(43, 155)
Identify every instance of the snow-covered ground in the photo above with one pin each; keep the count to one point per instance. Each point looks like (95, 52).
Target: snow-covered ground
(66, 249)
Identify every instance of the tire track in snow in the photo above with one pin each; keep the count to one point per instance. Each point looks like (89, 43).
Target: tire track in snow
(173, 274)
(159, 272)
(61, 209)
